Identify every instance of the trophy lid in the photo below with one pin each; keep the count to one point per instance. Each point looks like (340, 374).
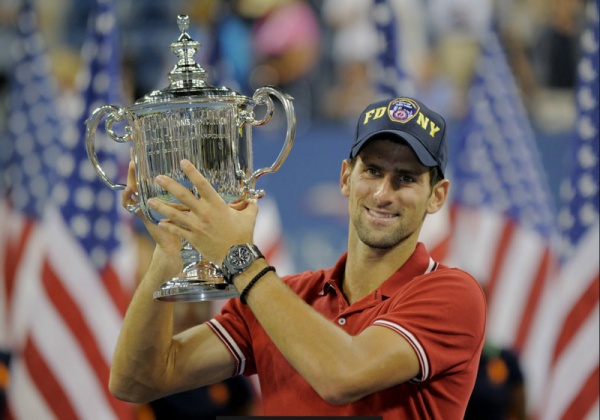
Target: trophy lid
(188, 78)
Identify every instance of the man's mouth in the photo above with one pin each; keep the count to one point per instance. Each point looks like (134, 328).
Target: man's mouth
(381, 215)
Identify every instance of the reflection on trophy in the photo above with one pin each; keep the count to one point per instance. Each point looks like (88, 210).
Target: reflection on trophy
(211, 127)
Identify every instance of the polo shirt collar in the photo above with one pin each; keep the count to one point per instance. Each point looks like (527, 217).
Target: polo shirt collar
(418, 264)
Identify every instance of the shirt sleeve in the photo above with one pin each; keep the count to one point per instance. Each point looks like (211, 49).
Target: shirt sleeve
(442, 316)
(233, 327)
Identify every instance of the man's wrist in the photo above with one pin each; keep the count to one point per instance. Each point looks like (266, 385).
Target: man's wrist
(238, 259)
(251, 283)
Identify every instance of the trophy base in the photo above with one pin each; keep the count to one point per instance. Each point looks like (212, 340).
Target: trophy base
(176, 290)
(198, 282)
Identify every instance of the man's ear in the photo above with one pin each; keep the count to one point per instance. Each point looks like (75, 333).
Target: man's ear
(438, 196)
(345, 177)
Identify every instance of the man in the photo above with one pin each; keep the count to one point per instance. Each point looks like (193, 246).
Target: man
(386, 331)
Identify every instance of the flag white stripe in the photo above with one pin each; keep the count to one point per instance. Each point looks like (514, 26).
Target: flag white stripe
(25, 400)
(27, 283)
(513, 285)
(64, 355)
(579, 359)
(473, 242)
(126, 256)
(83, 283)
(581, 268)
(535, 356)
(268, 235)
(559, 297)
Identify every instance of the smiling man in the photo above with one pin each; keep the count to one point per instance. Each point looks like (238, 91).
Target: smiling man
(387, 331)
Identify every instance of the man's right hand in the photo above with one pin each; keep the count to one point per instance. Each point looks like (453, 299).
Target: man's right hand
(166, 243)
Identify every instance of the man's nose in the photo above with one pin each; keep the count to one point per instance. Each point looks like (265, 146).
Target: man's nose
(383, 191)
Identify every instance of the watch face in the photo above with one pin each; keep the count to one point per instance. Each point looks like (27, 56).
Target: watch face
(240, 257)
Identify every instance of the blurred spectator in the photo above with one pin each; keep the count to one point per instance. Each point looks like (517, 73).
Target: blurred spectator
(557, 48)
(286, 40)
(354, 47)
(4, 381)
(518, 21)
(554, 54)
(231, 55)
(499, 392)
(353, 50)
(8, 13)
(456, 28)
(459, 18)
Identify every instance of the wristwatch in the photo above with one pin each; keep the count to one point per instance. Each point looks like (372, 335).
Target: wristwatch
(238, 259)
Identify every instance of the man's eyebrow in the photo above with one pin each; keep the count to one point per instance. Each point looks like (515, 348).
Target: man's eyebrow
(410, 171)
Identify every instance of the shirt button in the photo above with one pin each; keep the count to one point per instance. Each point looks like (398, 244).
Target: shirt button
(342, 321)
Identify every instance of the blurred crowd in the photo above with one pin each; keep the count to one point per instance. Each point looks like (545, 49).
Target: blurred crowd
(324, 52)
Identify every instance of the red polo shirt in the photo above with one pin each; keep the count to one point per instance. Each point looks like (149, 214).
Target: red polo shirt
(439, 310)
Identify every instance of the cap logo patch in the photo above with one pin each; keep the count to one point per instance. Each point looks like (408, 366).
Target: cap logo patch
(403, 110)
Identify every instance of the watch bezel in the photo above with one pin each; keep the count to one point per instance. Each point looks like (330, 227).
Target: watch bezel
(230, 268)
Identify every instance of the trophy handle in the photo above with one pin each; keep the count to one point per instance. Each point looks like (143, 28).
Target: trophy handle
(261, 97)
(115, 113)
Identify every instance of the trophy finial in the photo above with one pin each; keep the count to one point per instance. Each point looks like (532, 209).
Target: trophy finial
(183, 21)
(186, 74)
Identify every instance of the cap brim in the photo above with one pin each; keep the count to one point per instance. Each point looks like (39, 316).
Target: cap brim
(417, 147)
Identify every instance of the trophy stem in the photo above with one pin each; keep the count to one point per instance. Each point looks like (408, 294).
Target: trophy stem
(200, 280)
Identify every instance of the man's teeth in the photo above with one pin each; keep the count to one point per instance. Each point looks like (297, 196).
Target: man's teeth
(382, 215)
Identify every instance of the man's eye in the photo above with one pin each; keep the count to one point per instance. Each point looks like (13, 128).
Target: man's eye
(406, 178)
(372, 171)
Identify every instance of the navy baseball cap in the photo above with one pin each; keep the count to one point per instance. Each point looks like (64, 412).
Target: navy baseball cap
(409, 119)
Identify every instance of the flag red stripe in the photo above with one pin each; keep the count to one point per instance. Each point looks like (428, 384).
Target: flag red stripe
(585, 399)
(46, 383)
(535, 294)
(504, 243)
(73, 318)
(579, 313)
(113, 285)
(12, 260)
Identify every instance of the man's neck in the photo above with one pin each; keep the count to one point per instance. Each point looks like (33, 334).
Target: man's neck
(367, 268)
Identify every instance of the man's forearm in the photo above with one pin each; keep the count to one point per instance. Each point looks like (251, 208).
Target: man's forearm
(341, 368)
(143, 346)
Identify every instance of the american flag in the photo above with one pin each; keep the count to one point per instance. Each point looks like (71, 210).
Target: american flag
(27, 153)
(503, 215)
(77, 306)
(503, 228)
(391, 76)
(572, 390)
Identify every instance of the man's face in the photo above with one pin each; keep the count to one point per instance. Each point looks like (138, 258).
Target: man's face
(389, 193)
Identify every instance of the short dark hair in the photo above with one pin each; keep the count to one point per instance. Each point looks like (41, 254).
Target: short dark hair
(435, 176)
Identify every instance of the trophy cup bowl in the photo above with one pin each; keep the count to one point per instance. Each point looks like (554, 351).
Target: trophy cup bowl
(209, 126)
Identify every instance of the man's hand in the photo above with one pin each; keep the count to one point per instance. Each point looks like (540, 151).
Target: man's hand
(208, 223)
(167, 242)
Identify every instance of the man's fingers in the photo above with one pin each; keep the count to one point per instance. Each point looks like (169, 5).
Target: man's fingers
(131, 173)
(205, 189)
(169, 210)
(129, 198)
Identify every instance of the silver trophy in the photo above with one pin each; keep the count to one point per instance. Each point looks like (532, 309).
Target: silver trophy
(211, 127)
